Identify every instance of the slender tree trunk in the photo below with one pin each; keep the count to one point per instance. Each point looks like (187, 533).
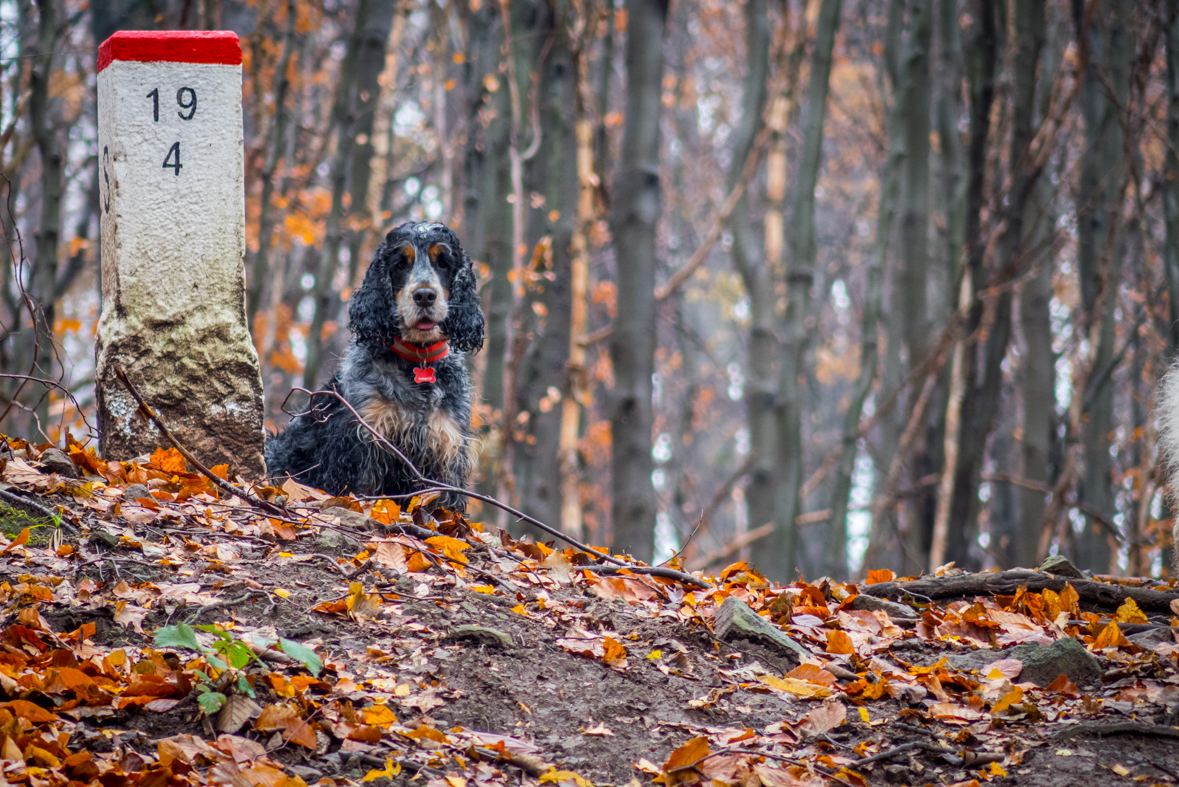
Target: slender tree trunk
(747, 257)
(885, 544)
(1171, 177)
(981, 58)
(261, 272)
(601, 137)
(1038, 366)
(913, 254)
(783, 548)
(344, 120)
(982, 399)
(544, 371)
(1107, 39)
(361, 230)
(42, 280)
(637, 202)
(880, 543)
(575, 379)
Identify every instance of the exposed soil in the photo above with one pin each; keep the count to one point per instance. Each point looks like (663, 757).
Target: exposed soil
(389, 628)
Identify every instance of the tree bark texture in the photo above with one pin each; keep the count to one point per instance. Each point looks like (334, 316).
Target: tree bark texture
(544, 368)
(261, 268)
(800, 277)
(981, 56)
(747, 254)
(344, 122)
(1171, 176)
(1108, 48)
(637, 204)
(42, 280)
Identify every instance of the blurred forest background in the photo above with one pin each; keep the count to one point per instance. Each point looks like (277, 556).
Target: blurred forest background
(835, 284)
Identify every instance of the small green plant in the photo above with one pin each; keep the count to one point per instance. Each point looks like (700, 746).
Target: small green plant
(229, 656)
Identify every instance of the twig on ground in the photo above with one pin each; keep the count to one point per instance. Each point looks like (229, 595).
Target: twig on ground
(233, 602)
(217, 480)
(431, 485)
(888, 754)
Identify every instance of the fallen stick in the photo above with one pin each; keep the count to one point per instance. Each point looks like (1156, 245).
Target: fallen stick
(1006, 583)
(431, 485)
(217, 480)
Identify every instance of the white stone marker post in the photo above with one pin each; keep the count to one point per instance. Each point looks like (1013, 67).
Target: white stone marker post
(173, 240)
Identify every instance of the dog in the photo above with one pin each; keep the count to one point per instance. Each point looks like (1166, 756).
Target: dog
(412, 321)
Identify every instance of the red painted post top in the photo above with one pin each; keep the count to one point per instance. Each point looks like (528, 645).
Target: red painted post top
(171, 46)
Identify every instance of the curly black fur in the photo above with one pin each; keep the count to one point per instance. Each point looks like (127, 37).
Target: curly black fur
(429, 422)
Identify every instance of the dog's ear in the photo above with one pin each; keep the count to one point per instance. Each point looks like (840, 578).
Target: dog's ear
(464, 319)
(372, 317)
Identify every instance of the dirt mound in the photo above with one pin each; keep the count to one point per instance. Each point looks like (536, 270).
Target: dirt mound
(169, 633)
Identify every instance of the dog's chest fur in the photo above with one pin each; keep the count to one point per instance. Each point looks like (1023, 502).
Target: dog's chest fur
(421, 433)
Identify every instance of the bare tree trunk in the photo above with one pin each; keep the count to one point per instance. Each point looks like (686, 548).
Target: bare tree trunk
(544, 369)
(981, 58)
(361, 232)
(344, 120)
(1171, 178)
(575, 379)
(886, 546)
(1038, 366)
(42, 280)
(261, 268)
(637, 203)
(1107, 40)
(747, 257)
(783, 547)
(912, 299)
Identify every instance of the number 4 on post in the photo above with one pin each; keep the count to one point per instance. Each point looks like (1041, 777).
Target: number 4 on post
(173, 158)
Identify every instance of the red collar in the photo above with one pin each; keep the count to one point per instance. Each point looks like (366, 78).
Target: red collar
(417, 353)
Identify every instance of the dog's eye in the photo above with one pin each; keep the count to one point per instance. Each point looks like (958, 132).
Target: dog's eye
(441, 257)
(404, 257)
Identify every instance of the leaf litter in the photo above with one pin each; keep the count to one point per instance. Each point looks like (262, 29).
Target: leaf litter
(166, 634)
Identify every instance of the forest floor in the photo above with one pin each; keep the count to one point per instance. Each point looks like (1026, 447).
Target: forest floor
(160, 631)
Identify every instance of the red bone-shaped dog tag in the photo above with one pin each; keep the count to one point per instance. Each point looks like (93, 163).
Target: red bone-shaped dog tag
(423, 376)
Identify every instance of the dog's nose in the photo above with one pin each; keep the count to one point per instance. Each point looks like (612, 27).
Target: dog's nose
(424, 297)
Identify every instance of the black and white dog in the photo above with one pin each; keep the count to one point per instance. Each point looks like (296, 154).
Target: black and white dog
(412, 320)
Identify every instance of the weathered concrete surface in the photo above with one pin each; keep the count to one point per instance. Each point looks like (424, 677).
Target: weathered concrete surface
(173, 281)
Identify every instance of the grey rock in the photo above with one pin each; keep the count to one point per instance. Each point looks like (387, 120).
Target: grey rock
(306, 772)
(736, 620)
(484, 635)
(352, 519)
(1043, 664)
(1061, 567)
(55, 461)
(134, 492)
(331, 540)
(1148, 639)
(892, 608)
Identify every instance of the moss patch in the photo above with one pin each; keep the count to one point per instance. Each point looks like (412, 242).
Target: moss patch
(14, 520)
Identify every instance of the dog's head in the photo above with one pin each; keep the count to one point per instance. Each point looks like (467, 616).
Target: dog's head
(421, 288)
